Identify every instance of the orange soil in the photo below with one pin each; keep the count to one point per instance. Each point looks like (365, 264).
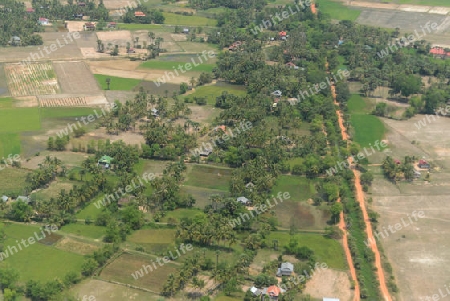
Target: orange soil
(348, 255)
(360, 200)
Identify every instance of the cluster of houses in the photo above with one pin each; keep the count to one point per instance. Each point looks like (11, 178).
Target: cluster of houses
(20, 198)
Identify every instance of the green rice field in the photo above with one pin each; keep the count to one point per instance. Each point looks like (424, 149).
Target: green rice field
(117, 83)
(29, 261)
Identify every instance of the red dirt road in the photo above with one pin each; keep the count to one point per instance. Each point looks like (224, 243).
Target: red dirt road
(360, 200)
(348, 255)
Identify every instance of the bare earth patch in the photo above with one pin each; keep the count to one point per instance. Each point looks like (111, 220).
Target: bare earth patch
(75, 25)
(418, 252)
(329, 283)
(75, 246)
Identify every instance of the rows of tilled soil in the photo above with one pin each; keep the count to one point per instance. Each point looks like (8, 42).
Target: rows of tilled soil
(63, 102)
(31, 79)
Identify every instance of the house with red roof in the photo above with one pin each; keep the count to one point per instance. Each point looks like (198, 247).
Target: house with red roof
(439, 52)
(273, 292)
(139, 14)
(30, 10)
(423, 164)
(43, 21)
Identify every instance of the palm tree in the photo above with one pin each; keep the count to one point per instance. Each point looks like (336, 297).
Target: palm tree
(192, 81)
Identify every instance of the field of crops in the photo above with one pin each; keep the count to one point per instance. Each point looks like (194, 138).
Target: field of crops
(63, 102)
(31, 79)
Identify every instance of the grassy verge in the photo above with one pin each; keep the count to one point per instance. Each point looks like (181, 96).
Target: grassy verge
(167, 65)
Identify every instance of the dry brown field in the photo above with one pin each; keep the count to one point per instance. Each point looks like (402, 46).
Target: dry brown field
(31, 79)
(419, 251)
(75, 77)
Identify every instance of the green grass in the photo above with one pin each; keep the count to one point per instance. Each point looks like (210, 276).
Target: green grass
(138, 26)
(90, 231)
(168, 65)
(211, 92)
(117, 83)
(175, 19)
(153, 240)
(325, 249)
(209, 177)
(50, 113)
(19, 119)
(338, 11)
(357, 105)
(9, 144)
(367, 128)
(90, 211)
(299, 188)
(13, 181)
(38, 261)
(6, 102)
(178, 214)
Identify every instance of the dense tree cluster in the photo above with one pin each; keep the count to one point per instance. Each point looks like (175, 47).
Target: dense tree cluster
(16, 22)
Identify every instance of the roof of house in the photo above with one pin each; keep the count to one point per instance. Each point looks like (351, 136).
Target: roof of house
(255, 291)
(287, 266)
(330, 299)
(139, 14)
(185, 29)
(273, 291)
(277, 92)
(439, 51)
(23, 198)
(242, 199)
(282, 33)
(4, 198)
(249, 184)
(43, 19)
(423, 162)
(89, 25)
(30, 10)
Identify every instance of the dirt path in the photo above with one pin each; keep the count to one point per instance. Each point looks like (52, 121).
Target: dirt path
(371, 238)
(360, 200)
(348, 255)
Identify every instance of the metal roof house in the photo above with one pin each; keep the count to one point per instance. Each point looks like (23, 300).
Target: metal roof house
(24, 199)
(243, 200)
(206, 152)
(255, 291)
(277, 93)
(4, 199)
(286, 269)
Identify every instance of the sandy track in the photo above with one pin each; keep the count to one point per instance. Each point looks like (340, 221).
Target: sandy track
(348, 255)
(361, 201)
